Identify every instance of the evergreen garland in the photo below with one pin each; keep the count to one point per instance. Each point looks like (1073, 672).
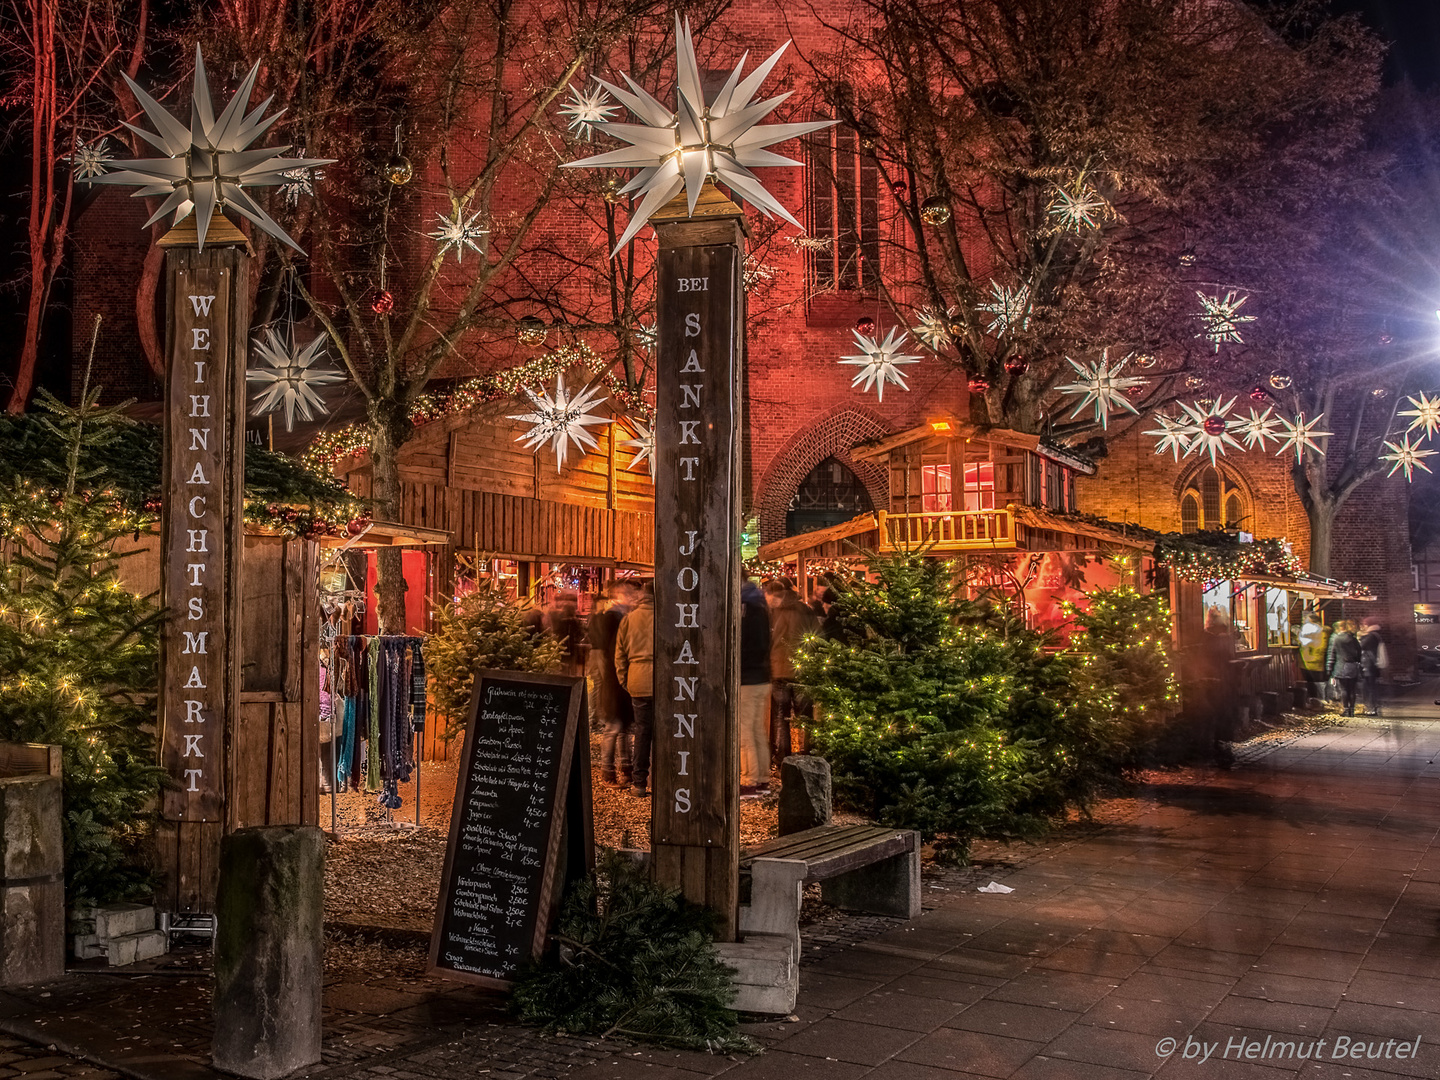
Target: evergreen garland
(79, 653)
(635, 960)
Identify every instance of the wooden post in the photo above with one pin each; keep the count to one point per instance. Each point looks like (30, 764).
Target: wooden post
(695, 838)
(202, 515)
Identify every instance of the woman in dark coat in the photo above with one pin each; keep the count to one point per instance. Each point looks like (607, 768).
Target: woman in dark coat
(1342, 663)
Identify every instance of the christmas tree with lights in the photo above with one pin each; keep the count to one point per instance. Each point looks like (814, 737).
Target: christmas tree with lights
(79, 656)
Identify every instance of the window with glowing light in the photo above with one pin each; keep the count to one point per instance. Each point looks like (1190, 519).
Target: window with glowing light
(935, 496)
(980, 486)
(1214, 499)
(842, 213)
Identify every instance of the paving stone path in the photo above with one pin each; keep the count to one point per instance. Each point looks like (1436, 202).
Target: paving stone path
(1238, 925)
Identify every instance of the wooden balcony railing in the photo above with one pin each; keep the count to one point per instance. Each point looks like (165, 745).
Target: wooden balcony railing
(963, 530)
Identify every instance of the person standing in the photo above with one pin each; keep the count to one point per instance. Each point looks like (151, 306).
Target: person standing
(1342, 663)
(754, 691)
(609, 699)
(1314, 640)
(1373, 662)
(790, 621)
(635, 671)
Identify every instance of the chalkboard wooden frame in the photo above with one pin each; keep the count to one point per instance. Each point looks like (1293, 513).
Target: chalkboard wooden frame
(569, 837)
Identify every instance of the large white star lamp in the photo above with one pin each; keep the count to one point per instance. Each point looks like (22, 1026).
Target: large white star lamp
(208, 165)
(680, 150)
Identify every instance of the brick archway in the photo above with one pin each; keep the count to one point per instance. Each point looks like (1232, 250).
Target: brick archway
(831, 436)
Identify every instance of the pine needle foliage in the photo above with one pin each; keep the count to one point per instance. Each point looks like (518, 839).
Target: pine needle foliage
(79, 654)
(481, 630)
(636, 960)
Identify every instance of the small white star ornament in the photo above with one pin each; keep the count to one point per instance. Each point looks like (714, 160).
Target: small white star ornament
(1406, 455)
(561, 421)
(1222, 319)
(586, 108)
(1209, 428)
(290, 382)
(208, 166)
(1174, 436)
(1008, 308)
(933, 329)
(89, 160)
(1300, 435)
(1258, 429)
(458, 232)
(677, 151)
(1425, 414)
(644, 446)
(1102, 385)
(880, 361)
(1084, 208)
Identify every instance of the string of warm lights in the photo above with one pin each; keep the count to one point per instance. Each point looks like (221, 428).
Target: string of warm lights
(1217, 556)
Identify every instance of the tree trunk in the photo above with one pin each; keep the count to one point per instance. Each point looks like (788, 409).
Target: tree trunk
(1321, 513)
(386, 438)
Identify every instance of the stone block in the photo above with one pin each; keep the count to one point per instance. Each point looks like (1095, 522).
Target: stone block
(776, 890)
(130, 948)
(805, 794)
(118, 920)
(87, 947)
(767, 972)
(31, 845)
(270, 912)
(888, 887)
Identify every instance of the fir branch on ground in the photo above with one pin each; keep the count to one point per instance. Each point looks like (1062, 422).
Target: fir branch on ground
(635, 960)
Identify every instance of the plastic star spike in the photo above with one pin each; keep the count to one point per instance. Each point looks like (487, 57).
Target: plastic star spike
(880, 362)
(459, 232)
(933, 330)
(208, 165)
(644, 446)
(1259, 428)
(1221, 317)
(585, 109)
(290, 382)
(1406, 455)
(1209, 429)
(677, 151)
(561, 421)
(1102, 385)
(1009, 309)
(1426, 414)
(89, 160)
(1174, 435)
(1079, 210)
(1301, 435)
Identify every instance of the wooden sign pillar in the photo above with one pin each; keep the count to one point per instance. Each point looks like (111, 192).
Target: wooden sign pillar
(202, 516)
(694, 834)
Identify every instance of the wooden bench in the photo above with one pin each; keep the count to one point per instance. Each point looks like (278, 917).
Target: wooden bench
(860, 867)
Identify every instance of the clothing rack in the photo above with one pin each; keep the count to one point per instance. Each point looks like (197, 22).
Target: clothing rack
(414, 695)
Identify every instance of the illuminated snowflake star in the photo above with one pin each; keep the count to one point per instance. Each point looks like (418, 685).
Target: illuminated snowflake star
(1221, 317)
(1008, 308)
(561, 420)
(89, 160)
(290, 382)
(207, 165)
(1259, 428)
(1406, 455)
(586, 108)
(677, 151)
(647, 336)
(1426, 414)
(880, 362)
(1174, 435)
(1082, 209)
(1101, 385)
(644, 446)
(934, 328)
(1301, 435)
(459, 232)
(299, 182)
(1209, 428)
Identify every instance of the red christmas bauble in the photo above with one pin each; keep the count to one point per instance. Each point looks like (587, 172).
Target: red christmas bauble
(865, 324)
(355, 527)
(383, 303)
(1016, 364)
(979, 386)
(1258, 393)
(1214, 425)
(900, 189)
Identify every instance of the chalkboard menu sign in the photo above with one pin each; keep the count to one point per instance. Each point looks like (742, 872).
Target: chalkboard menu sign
(523, 791)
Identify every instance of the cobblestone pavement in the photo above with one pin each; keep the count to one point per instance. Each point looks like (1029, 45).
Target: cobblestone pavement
(35, 1062)
(1235, 925)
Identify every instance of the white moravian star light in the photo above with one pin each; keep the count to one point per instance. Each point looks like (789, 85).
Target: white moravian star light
(1222, 318)
(1426, 414)
(1258, 428)
(1174, 435)
(459, 232)
(1300, 436)
(586, 108)
(1406, 455)
(1009, 309)
(1103, 385)
(208, 165)
(644, 446)
(678, 151)
(561, 420)
(89, 160)
(880, 362)
(934, 329)
(290, 381)
(1209, 428)
(1083, 209)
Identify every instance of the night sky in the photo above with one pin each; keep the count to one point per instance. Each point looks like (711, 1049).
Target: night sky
(1413, 29)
